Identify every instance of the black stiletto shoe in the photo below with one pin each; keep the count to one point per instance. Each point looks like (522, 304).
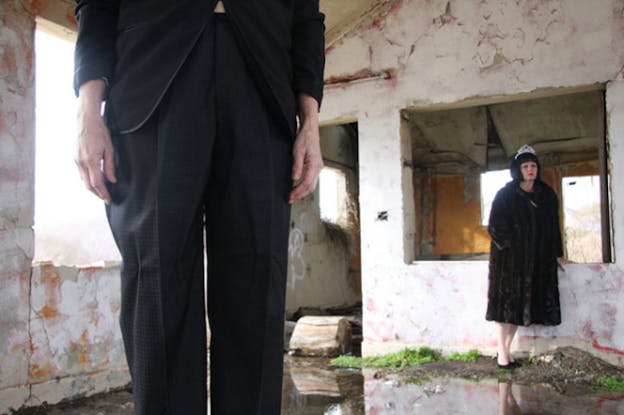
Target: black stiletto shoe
(508, 366)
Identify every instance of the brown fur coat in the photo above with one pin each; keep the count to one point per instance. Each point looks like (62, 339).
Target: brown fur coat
(526, 241)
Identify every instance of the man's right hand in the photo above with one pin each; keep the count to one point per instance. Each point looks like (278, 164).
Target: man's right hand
(94, 149)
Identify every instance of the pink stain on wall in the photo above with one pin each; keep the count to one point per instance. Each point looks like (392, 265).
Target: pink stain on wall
(389, 8)
(370, 304)
(598, 346)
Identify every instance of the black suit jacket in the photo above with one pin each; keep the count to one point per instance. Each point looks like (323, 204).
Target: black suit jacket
(139, 45)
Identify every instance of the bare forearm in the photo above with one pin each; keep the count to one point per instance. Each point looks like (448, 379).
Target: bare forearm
(308, 160)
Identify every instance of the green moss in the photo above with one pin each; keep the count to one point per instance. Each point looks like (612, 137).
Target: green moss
(399, 360)
(404, 358)
(470, 356)
(610, 383)
(346, 361)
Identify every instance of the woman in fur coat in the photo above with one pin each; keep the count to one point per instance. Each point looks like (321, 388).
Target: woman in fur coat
(524, 254)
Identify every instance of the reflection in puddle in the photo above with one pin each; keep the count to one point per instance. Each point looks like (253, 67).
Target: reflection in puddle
(311, 386)
(488, 396)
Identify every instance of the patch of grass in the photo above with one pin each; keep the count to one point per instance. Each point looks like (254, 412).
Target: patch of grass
(346, 361)
(610, 383)
(404, 358)
(470, 356)
(398, 360)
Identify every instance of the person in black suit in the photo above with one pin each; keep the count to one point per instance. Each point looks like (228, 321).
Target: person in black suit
(199, 133)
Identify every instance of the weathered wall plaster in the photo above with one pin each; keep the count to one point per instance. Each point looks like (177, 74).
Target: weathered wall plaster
(487, 49)
(471, 53)
(16, 191)
(72, 344)
(57, 325)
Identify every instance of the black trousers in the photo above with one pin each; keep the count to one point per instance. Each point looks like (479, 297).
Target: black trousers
(211, 155)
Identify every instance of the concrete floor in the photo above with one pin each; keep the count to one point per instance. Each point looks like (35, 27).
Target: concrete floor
(312, 387)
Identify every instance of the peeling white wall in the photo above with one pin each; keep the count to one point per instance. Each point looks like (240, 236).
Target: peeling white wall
(487, 51)
(59, 336)
(16, 192)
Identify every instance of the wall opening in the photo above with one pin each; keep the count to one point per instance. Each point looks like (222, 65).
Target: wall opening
(339, 194)
(70, 223)
(491, 182)
(333, 195)
(460, 158)
(581, 218)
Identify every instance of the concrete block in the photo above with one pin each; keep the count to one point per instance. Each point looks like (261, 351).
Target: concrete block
(321, 336)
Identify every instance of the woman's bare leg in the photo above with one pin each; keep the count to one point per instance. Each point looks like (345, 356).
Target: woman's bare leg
(511, 332)
(501, 336)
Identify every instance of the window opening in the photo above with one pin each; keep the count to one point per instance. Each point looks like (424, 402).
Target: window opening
(333, 195)
(70, 223)
(491, 183)
(460, 156)
(581, 218)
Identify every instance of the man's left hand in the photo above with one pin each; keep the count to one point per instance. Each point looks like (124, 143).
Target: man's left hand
(308, 160)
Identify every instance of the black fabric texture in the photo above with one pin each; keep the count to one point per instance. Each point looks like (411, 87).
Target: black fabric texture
(140, 45)
(210, 157)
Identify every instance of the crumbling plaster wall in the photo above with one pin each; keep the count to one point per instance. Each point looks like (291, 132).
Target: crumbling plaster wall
(58, 325)
(16, 190)
(439, 54)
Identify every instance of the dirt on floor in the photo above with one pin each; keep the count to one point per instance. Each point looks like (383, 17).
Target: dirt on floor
(567, 370)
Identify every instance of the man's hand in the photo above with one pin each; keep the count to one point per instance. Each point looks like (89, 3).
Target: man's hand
(561, 261)
(94, 150)
(308, 160)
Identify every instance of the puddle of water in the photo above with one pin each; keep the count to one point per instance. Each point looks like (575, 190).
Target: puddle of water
(313, 387)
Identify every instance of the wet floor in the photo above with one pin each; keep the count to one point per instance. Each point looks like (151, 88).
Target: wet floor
(312, 387)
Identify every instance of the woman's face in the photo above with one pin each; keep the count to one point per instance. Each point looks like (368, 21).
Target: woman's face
(528, 170)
